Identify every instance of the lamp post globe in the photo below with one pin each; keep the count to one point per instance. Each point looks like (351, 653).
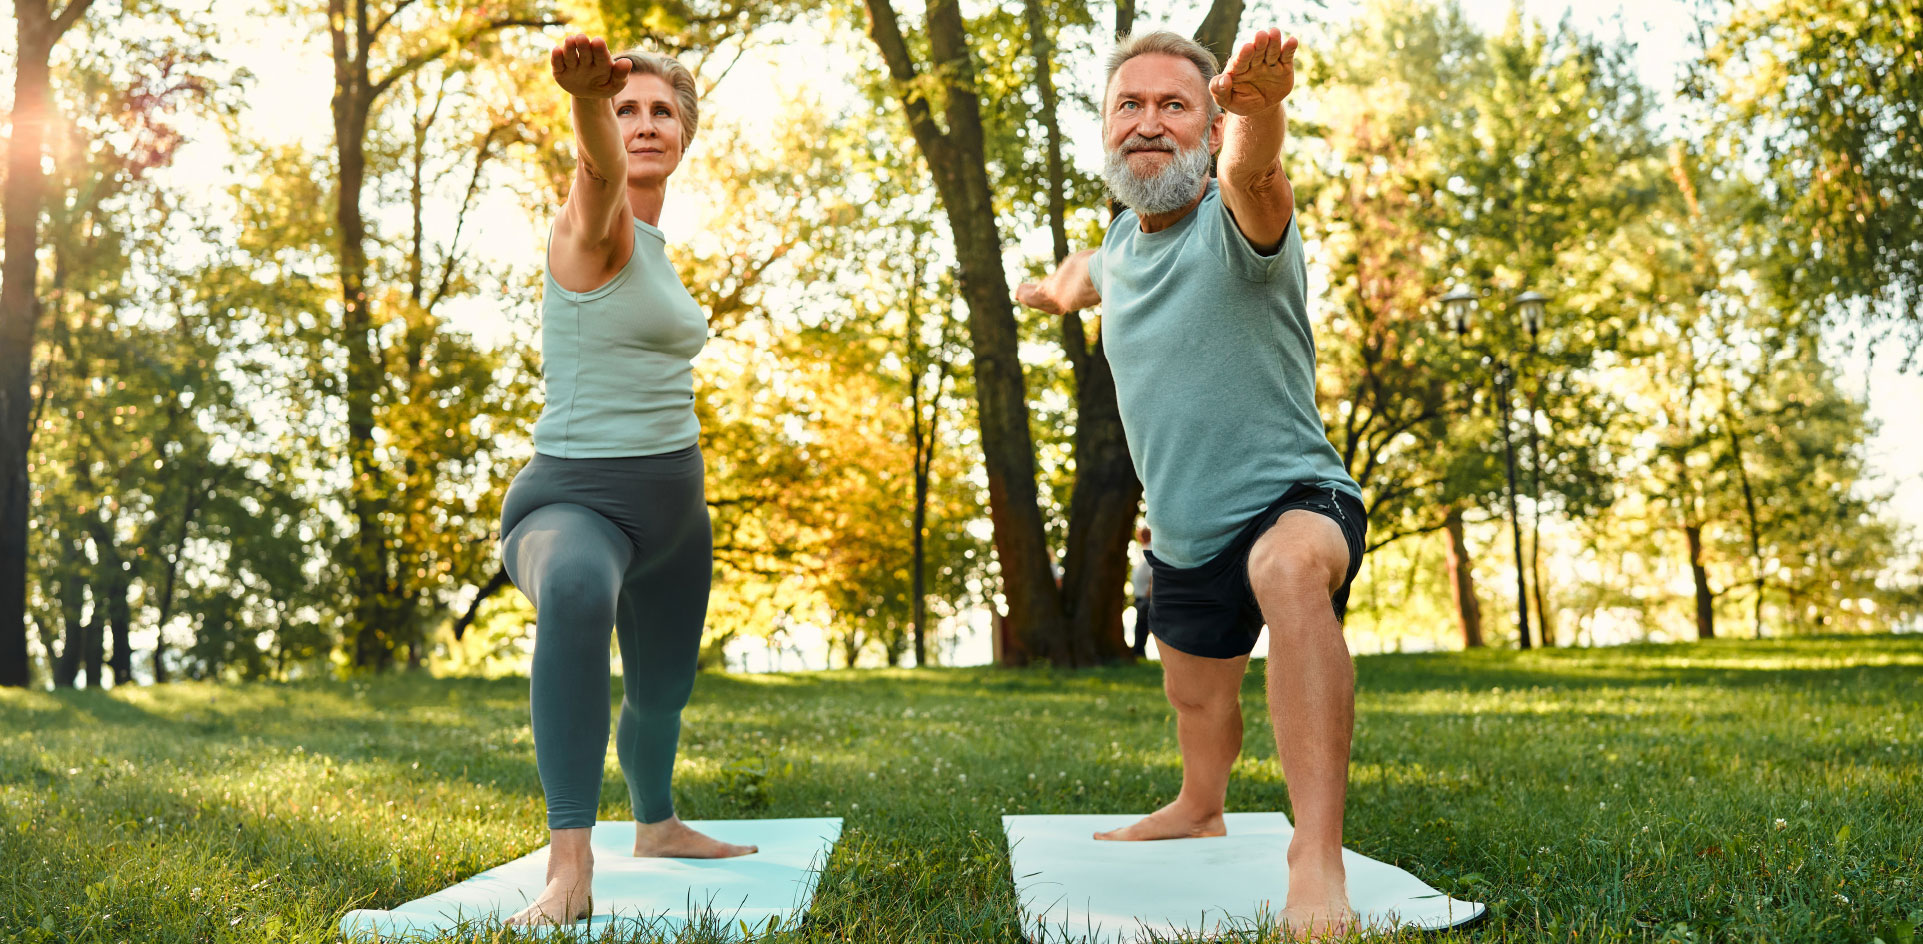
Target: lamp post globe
(1531, 305)
(1457, 304)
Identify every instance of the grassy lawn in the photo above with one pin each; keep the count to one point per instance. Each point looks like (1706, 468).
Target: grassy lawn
(1732, 791)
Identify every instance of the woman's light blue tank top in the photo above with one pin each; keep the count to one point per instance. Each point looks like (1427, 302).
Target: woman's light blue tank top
(616, 361)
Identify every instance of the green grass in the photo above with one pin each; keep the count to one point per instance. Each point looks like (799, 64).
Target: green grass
(1725, 792)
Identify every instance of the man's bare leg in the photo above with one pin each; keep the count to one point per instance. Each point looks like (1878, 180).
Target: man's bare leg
(570, 880)
(1208, 725)
(1295, 569)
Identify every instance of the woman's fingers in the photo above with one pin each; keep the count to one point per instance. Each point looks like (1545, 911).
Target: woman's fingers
(583, 65)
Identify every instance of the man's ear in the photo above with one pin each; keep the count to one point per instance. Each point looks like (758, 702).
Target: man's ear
(1216, 128)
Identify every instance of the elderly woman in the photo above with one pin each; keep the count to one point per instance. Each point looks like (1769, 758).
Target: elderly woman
(608, 524)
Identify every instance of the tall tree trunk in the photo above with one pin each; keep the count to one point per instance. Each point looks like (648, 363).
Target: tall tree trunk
(170, 580)
(1462, 581)
(1705, 598)
(923, 426)
(120, 623)
(956, 156)
(1218, 28)
(66, 665)
(1107, 495)
(1078, 622)
(118, 618)
(37, 29)
(352, 101)
(1749, 508)
(93, 643)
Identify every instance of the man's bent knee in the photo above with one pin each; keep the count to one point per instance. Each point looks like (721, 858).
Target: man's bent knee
(1193, 699)
(1304, 553)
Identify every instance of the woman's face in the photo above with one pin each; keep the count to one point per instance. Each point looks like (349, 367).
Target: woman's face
(650, 127)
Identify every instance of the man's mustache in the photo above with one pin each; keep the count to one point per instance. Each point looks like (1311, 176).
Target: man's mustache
(1136, 142)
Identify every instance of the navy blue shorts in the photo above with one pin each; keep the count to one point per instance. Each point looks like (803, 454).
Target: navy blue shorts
(1211, 611)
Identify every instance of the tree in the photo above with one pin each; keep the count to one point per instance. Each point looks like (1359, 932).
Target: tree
(1829, 97)
(37, 29)
(1079, 621)
(367, 66)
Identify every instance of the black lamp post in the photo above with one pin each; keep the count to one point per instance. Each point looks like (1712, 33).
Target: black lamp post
(1458, 304)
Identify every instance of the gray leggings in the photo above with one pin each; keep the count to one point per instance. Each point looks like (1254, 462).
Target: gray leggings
(595, 543)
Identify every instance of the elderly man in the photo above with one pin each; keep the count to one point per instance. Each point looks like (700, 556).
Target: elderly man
(1255, 518)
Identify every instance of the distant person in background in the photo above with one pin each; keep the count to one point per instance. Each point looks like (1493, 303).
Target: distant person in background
(1141, 579)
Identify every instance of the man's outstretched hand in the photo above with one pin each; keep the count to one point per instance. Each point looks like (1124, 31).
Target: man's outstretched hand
(1034, 296)
(584, 69)
(1259, 77)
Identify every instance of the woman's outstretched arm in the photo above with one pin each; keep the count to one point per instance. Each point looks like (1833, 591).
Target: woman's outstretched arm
(594, 227)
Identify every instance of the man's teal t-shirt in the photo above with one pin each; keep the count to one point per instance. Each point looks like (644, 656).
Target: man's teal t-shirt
(1214, 374)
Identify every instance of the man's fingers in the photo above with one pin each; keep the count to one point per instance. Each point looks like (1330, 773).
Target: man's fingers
(1288, 49)
(1244, 58)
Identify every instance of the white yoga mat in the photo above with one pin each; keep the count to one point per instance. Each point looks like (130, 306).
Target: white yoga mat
(1075, 888)
(637, 895)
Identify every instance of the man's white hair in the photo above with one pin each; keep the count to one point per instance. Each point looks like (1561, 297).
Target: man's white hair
(1165, 43)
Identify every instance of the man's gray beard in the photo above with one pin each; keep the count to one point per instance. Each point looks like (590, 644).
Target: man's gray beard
(1171, 189)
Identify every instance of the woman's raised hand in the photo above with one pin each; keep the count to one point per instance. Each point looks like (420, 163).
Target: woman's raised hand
(583, 68)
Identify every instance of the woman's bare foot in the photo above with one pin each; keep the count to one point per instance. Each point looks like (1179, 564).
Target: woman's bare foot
(1318, 905)
(1318, 926)
(1178, 820)
(672, 839)
(566, 899)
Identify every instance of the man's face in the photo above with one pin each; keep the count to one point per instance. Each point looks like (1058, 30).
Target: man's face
(1157, 104)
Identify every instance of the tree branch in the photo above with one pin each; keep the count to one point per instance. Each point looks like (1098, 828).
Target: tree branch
(382, 23)
(67, 17)
(885, 30)
(493, 586)
(418, 60)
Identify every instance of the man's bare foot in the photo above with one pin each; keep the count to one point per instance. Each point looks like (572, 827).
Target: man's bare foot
(1318, 905)
(565, 900)
(1178, 820)
(672, 839)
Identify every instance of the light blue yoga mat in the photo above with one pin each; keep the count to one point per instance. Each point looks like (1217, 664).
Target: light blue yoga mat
(636, 896)
(1073, 887)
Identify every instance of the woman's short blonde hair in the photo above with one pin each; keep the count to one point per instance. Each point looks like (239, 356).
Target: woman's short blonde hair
(687, 102)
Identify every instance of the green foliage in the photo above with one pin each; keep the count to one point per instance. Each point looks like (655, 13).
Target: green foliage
(189, 464)
(1746, 790)
(1828, 97)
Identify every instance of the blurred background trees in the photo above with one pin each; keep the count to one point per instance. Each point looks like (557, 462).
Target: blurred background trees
(271, 387)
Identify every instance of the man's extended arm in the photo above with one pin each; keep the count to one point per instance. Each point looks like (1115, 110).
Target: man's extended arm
(1251, 90)
(1069, 289)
